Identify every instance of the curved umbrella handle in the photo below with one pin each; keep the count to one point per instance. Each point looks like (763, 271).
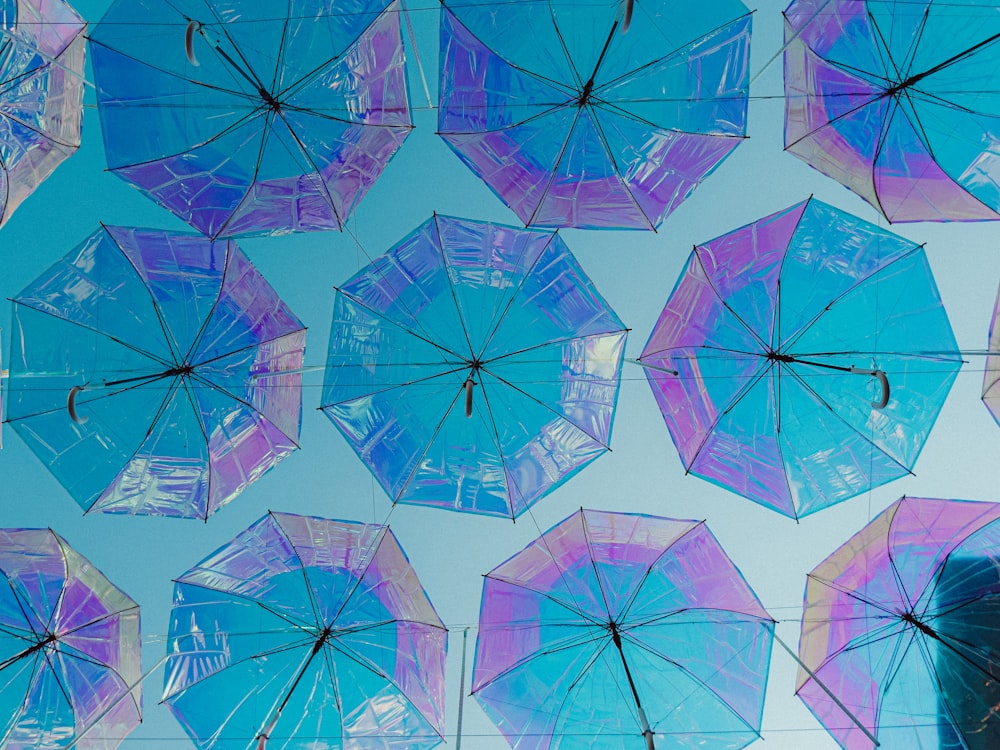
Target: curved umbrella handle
(192, 27)
(265, 733)
(882, 379)
(71, 405)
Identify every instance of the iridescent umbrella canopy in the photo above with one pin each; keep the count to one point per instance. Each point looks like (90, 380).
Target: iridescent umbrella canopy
(574, 117)
(41, 93)
(616, 631)
(155, 373)
(802, 359)
(991, 377)
(70, 668)
(899, 635)
(246, 117)
(502, 319)
(306, 633)
(899, 101)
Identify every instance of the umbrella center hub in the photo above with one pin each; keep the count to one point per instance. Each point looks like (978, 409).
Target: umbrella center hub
(269, 100)
(775, 356)
(588, 90)
(912, 619)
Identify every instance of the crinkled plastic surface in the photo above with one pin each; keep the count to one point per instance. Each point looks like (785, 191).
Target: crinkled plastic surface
(695, 641)
(750, 359)
(284, 123)
(897, 101)
(314, 632)
(573, 122)
(70, 664)
(512, 310)
(155, 373)
(900, 625)
(42, 51)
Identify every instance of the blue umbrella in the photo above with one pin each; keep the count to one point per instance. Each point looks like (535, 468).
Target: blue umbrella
(473, 367)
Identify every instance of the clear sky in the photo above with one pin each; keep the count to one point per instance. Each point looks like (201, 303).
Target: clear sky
(450, 551)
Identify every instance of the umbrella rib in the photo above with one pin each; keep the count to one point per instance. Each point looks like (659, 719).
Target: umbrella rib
(97, 331)
(437, 431)
(649, 569)
(313, 599)
(561, 415)
(27, 76)
(250, 74)
(396, 386)
(287, 617)
(528, 272)
(439, 246)
(265, 135)
(554, 342)
(208, 86)
(694, 678)
(406, 329)
(844, 293)
(573, 608)
(552, 172)
(593, 564)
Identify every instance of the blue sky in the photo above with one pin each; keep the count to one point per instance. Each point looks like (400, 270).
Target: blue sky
(634, 271)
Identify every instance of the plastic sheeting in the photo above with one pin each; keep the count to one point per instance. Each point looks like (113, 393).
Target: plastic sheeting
(286, 120)
(607, 612)
(155, 373)
(310, 632)
(573, 121)
(898, 102)
(751, 358)
(474, 367)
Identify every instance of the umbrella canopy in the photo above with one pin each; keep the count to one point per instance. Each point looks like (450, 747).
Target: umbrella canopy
(573, 120)
(243, 118)
(41, 93)
(306, 633)
(899, 102)
(991, 377)
(69, 648)
(155, 373)
(616, 631)
(499, 318)
(899, 639)
(802, 359)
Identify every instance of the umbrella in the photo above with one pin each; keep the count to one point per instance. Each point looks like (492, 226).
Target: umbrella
(69, 648)
(899, 102)
(802, 359)
(306, 633)
(155, 373)
(617, 631)
(41, 94)
(499, 318)
(249, 118)
(573, 121)
(991, 377)
(899, 639)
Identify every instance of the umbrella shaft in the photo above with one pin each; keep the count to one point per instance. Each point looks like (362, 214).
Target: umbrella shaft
(647, 733)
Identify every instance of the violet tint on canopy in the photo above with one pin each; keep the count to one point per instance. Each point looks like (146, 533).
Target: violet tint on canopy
(616, 630)
(498, 320)
(304, 633)
(575, 121)
(70, 668)
(250, 117)
(900, 626)
(991, 378)
(898, 101)
(41, 93)
(802, 359)
(155, 373)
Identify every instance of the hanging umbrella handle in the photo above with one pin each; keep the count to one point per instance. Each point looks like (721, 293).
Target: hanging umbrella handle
(265, 733)
(71, 404)
(468, 396)
(192, 27)
(627, 5)
(882, 378)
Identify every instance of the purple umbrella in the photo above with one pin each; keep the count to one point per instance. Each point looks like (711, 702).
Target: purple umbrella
(615, 631)
(41, 93)
(572, 120)
(69, 648)
(899, 644)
